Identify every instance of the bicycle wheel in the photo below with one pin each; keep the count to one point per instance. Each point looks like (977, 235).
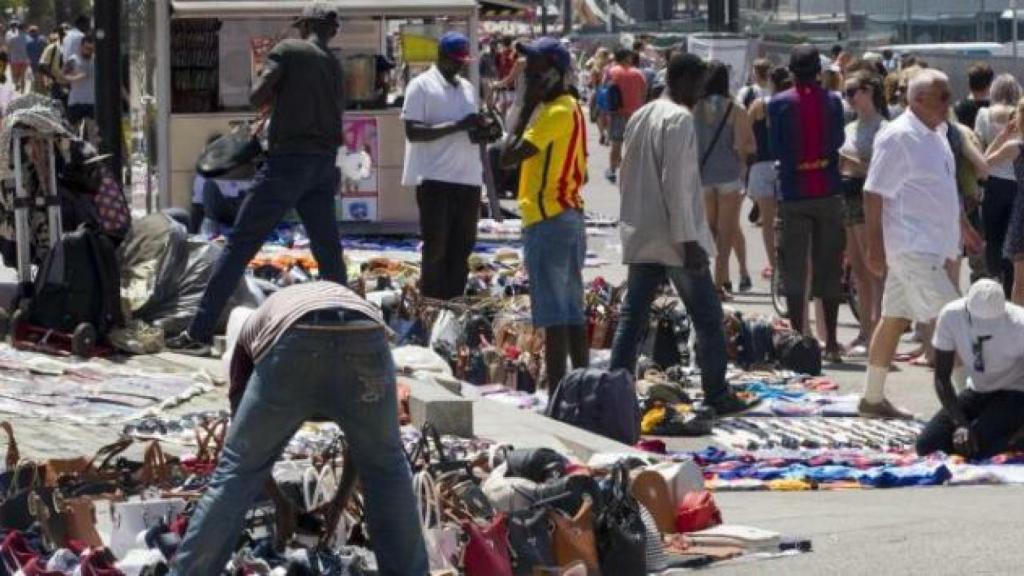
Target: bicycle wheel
(850, 290)
(778, 299)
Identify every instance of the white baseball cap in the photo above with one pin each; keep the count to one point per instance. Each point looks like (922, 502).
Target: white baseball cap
(986, 300)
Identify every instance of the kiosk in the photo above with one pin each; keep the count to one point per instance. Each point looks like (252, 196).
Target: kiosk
(209, 53)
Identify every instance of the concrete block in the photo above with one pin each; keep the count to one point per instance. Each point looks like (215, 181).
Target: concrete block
(432, 402)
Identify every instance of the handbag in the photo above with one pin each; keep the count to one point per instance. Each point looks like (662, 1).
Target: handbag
(131, 517)
(442, 541)
(486, 552)
(681, 478)
(619, 529)
(529, 537)
(13, 457)
(573, 539)
(238, 147)
(537, 464)
(650, 490)
(697, 511)
(15, 511)
(706, 155)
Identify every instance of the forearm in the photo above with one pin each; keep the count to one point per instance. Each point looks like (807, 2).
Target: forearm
(421, 132)
(873, 221)
(944, 362)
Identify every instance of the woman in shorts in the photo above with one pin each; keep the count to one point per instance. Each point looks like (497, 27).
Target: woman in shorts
(863, 93)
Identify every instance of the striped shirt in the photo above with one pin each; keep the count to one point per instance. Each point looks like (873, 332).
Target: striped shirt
(551, 181)
(805, 131)
(277, 315)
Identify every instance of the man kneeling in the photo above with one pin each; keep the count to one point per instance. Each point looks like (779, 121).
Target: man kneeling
(986, 334)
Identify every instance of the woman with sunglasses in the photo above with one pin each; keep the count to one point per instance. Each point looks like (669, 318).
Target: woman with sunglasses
(863, 94)
(1008, 148)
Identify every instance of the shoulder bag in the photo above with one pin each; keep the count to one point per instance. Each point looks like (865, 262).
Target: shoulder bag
(573, 539)
(619, 530)
(718, 134)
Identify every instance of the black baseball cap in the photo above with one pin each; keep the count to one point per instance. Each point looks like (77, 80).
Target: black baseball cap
(318, 11)
(805, 60)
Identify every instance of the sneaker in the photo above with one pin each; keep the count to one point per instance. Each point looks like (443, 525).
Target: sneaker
(610, 175)
(731, 404)
(746, 284)
(184, 344)
(882, 409)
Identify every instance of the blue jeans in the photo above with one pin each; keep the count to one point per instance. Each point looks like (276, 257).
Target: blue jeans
(305, 182)
(345, 376)
(555, 251)
(697, 290)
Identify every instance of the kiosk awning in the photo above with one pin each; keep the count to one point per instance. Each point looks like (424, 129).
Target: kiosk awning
(227, 9)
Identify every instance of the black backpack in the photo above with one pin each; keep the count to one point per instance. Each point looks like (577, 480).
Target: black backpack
(801, 354)
(79, 282)
(602, 402)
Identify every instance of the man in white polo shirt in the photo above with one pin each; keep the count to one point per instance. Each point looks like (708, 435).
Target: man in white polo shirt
(444, 165)
(986, 334)
(913, 221)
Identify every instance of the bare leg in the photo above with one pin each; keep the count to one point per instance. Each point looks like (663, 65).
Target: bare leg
(740, 246)
(616, 156)
(768, 208)
(728, 223)
(885, 341)
(865, 282)
(1018, 283)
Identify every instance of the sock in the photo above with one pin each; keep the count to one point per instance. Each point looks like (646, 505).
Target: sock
(959, 378)
(874, 391)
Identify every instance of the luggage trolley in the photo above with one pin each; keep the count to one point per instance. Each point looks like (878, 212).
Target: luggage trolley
(83, 341)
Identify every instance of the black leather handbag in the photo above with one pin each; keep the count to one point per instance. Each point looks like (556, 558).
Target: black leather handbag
(237, 148)
(529, 537)
(619, 530)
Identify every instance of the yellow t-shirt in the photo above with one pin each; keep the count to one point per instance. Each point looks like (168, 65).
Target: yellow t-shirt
(551, 181)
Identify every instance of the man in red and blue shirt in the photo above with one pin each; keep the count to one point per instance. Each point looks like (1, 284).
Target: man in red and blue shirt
(805, 127)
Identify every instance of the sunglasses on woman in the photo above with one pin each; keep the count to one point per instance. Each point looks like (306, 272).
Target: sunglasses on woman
(851, 92)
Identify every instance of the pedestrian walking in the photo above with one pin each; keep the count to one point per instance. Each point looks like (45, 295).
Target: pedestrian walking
(1008, 148)
(443, 163)
(632, 91)
(725, 141)
(51, 67)
(805, 133)
(302, 83)
(549, 145)
(17, 54)
(80, 73)
(913, 226)
(979, 82)
(34, 48)
(315, 350)
(665, 234)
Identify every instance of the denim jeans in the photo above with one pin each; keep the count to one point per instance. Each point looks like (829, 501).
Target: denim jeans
(555, 251)
(345, 376)
(697, 290)
(305, 182)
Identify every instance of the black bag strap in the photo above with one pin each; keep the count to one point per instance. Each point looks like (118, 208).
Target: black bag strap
(718, 134)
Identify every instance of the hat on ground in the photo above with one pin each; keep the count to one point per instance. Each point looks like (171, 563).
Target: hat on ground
(986, 300)
(455, 45)
(805, 60)
(318, 11)
(551, 49)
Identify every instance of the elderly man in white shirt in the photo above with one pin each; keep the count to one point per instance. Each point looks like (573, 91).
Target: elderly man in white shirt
(665, 231)
(914, 224)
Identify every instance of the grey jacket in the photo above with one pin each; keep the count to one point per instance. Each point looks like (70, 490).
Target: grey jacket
(662, 200)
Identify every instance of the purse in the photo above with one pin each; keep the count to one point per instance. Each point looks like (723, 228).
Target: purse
(486, 552)
(681, 478)
(238, 147)
(15, 511)
(573, 539)
(619, 529)
(131, 517)
(697, 511)
(442, 541)
(529, 537)
(650, 489)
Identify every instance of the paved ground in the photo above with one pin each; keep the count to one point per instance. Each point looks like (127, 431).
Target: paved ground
(944, 530)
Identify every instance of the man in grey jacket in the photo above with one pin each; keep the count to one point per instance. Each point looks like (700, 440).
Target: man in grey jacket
(665, 231)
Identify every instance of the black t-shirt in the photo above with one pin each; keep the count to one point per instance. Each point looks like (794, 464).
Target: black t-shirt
(966, 111)
(309, 99)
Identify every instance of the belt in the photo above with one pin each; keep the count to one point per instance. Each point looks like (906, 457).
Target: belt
(813, 165)
(336, 319)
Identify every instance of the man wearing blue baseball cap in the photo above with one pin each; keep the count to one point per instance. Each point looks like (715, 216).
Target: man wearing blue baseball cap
(549, 142)
(444, 165)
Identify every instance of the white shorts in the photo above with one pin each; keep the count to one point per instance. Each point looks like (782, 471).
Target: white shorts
(916, 287)
(761, 181)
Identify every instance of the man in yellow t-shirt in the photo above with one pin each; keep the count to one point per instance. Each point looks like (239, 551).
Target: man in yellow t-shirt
(549, 145)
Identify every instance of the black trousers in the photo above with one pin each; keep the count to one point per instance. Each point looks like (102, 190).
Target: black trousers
(996, 208)
(995, 418)
(448, 219)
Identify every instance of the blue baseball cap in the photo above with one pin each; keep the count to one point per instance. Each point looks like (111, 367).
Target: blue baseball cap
(455, 45)
(551, 49)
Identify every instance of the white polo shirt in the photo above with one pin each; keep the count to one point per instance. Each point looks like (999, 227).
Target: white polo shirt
(1002, 349)
(431, 99)
(914, 172)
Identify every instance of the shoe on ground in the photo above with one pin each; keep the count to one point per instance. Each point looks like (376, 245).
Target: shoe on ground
(745, 284)
(882, 409)
(184, 344)
(610, 175)
(833, 356)
(731, 404)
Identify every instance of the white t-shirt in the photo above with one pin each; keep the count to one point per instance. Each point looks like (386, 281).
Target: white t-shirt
(1002, 353)
(914, 172)
(82, 91)
(228, 188)
(72, 42)
(431, 99)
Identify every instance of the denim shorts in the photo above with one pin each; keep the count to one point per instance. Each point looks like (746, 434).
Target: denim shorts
(555, 250)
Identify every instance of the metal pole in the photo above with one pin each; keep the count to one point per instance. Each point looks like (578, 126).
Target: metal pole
(108, 83)
(1016, 26)
(908, 9)
(163, 100)
(543, 17)
(610, 24)
(849, 20)
(566, 17)
(799, 14)
(980, 33)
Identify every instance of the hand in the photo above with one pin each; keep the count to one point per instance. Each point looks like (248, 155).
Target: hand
(695, 256)
(973, 242)
(875, 261)
(469, 122)
(1010, 129)
(963, 441)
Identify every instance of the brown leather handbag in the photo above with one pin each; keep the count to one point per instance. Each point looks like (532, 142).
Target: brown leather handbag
(651, 490)
(80, 520)
(573, 539)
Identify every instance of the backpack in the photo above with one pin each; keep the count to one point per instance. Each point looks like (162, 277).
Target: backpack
(598, 401)
(667, 342)
(801, 354)
(608, 98)
(79, 282)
